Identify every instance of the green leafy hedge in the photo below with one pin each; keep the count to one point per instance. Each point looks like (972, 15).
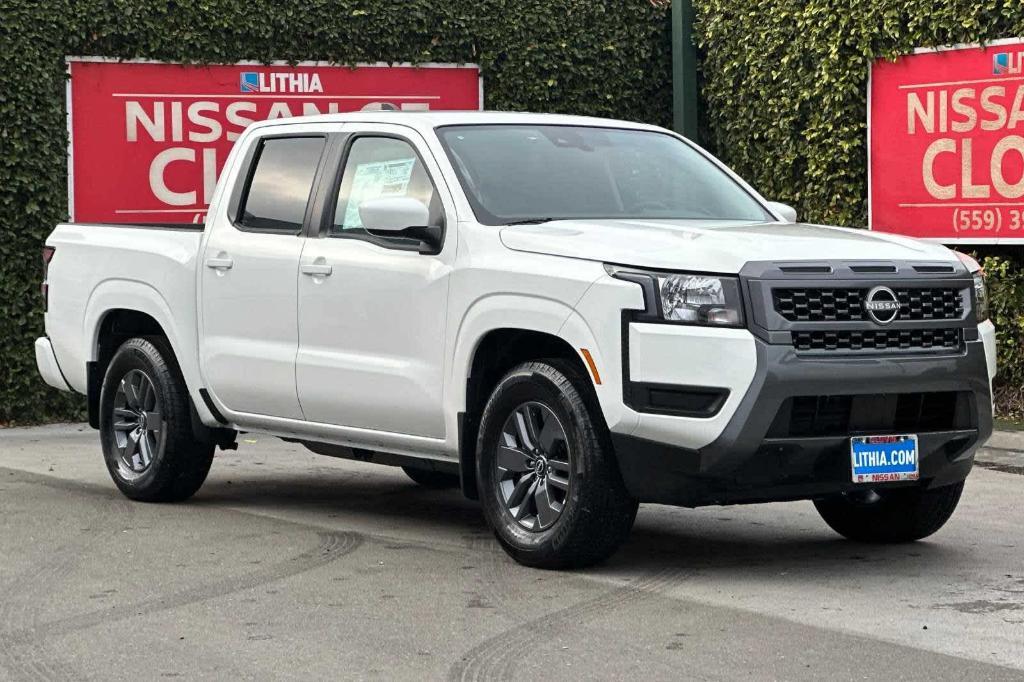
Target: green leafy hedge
(783, 81)
(784, 84)
(1006, 290)
(599, 57)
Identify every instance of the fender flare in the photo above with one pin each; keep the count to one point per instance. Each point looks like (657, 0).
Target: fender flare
(536, 314)
(123, 294)
(499, 311)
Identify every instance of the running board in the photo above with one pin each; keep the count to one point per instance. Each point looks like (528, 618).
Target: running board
(375, 457)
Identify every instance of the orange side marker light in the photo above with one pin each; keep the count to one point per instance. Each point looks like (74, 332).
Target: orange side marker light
(593, 367)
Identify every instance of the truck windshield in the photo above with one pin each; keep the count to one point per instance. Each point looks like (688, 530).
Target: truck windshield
(535, 173)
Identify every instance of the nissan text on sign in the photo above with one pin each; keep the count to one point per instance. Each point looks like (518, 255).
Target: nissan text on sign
(946, 144)
(148, 139)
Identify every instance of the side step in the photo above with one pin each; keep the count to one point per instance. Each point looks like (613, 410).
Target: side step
(386, 458)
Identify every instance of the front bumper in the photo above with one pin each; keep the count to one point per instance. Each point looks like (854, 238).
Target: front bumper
(749, 462)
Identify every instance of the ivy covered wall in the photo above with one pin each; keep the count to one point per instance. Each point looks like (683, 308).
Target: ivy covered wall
(598, 57)
(783, 87)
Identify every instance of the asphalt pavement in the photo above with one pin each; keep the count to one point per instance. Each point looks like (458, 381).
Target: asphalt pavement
(288, 565)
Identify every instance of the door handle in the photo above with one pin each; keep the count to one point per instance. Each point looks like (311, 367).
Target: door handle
(316, 269)
(219, 263)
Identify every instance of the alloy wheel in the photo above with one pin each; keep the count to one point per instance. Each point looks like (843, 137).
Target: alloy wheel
(137, 424)
(533, 466)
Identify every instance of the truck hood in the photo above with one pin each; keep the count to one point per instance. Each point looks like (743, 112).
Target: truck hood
(711, 246)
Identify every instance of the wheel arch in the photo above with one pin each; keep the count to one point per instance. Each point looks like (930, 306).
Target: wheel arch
(499, 334)
(120, 309)
(116, 326)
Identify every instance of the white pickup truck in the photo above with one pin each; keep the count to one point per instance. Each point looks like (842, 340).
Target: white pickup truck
(566, 316)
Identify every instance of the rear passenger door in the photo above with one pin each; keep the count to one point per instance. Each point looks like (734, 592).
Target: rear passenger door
(372, 307)
(248, 275)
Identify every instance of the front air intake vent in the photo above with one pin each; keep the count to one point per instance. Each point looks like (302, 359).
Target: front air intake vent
(873, 269)
(882, 340)
(806, 269)
(817, 416)
(935, 269)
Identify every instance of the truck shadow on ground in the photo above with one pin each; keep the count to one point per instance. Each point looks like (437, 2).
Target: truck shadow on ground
(721, 539)
(781, 554)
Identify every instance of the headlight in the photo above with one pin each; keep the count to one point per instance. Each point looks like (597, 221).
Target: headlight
(980, 291)
(708, 300)
(980, 296)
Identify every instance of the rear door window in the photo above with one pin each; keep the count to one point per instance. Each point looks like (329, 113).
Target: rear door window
(280, 184)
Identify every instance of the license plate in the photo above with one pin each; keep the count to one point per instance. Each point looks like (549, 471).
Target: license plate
(882, 459)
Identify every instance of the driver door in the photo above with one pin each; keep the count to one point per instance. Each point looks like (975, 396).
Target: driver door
(373, 308)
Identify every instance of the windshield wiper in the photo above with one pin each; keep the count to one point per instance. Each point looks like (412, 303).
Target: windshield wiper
(531, 221)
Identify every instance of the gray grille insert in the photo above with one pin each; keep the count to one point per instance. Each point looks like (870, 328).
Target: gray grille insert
(847, 304)
(892, 340)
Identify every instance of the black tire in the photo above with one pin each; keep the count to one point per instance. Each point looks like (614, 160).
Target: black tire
(597, 512)
(890, 516)
(435, 480)
(178, 462)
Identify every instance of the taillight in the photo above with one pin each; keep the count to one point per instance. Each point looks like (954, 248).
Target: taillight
(48, 252)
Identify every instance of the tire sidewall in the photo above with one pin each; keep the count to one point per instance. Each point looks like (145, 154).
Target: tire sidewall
(525, 385)
(901, 515)
(134, 354)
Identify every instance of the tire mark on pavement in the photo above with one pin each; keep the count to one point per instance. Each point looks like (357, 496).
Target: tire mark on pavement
(332, 546)
(35, 582)
(493, 576)
(20, 597)
(1000, 467)
(495, 658)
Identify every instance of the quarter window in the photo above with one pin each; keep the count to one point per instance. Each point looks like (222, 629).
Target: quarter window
(280, 184)
(381, 167)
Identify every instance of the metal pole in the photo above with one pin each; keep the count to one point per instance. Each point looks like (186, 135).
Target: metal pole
(684, 71)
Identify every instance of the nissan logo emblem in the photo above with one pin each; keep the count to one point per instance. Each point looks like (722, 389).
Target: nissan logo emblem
(882, 305)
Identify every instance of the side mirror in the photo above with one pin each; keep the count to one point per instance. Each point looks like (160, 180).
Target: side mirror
(402, 217)
(787, 212)
(393, 214)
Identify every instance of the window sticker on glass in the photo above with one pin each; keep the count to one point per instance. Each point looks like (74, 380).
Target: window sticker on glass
(374, 180)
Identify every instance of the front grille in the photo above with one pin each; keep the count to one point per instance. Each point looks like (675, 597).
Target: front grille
(878, 340)
(818, 416)
(846, 304)
(820, 309)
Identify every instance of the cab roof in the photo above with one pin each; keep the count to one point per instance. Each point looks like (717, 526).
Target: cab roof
(425, 120)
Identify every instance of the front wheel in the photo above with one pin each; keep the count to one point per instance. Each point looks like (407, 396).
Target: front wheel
(146, 428)
(547, 475)
(890, 516)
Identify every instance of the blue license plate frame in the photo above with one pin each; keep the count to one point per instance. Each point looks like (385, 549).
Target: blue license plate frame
(884, 459)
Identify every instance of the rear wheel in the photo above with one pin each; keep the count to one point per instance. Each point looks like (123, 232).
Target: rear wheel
(546, 472)
(146, 428)
(437, 480)
(892, 516)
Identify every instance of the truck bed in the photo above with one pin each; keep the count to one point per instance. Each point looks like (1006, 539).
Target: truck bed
(97, 267)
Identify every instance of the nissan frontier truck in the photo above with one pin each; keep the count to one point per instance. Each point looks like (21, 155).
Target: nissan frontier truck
(563, 316)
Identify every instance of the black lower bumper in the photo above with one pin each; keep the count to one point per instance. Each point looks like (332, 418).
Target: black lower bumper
(751, 461)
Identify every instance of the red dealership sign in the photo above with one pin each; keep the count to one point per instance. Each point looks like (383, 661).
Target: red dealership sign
(946, 144)
(148, 139)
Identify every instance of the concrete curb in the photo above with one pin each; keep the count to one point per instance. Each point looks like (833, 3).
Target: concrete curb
(1006, 440)
(1004, 451)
